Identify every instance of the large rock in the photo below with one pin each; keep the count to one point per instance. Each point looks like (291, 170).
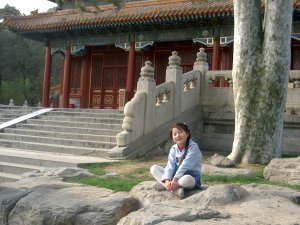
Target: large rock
(284, 169)
(214, 170)
(59, 172)
(220, 161)
(217, 195)
(49, 201)
(219, 204)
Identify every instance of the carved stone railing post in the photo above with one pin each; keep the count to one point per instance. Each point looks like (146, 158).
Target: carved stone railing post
(139, 111)
(174, 73)
(25, 105)
(147, 84)
(11, 102)
(201, 61)
(201, 65)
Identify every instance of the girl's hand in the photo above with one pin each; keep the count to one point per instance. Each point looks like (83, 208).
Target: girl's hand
(174, 184)
(168, 185)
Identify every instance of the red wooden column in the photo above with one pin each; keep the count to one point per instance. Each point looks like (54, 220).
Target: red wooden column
(225, 59)
(83, 84)
(130, 72)
(47, 77)
(216, 54)
(66, 79)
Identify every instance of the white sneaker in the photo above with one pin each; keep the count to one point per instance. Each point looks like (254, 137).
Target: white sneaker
(179, 192)
(159, 187)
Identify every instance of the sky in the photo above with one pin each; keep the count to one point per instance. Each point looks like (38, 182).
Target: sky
(26, 6)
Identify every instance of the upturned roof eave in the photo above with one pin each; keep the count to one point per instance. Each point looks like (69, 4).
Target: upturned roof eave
(58, 28)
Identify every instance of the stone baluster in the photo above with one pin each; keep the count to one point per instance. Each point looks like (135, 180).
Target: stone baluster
(201, 65)
(146, 83)
(159, 99)
(201, 61)
(166, 96)
(11, 102)
(25, 104)
(297, 83)
(174, 73)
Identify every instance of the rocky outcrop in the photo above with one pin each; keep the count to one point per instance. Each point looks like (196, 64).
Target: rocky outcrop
(219, 204)
(42, 198)
(284, 169)
(220, 161)
(214, 170)
(57, 203)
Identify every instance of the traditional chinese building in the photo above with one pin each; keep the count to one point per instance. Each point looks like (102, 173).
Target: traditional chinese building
(104, 48)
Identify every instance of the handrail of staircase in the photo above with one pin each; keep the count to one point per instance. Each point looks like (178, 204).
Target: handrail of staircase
(153, 106)
(23, 118)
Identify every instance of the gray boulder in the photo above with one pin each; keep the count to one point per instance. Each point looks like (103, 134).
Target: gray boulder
(49, 201)
(218, 204)
(214, 170)
(220, 161)
(284, 169)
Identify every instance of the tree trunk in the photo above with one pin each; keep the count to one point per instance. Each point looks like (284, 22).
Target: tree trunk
(260, 74)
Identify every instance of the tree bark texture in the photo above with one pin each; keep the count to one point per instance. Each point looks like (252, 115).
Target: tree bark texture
(261, 64)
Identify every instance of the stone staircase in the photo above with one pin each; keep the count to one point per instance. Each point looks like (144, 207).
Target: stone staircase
(62, 137)
(11, 112)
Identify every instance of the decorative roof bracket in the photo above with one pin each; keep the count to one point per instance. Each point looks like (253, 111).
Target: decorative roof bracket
(75, 50)
(140, 45)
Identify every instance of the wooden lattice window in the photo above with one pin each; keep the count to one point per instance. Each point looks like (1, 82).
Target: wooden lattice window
(188, 57)
(75, 74)
(115, 71)
(296, 58)
(122, 72)
(161, 62)
(108, 80)
(209, 59)
(96, 71)
(116, 59)
(138, 67)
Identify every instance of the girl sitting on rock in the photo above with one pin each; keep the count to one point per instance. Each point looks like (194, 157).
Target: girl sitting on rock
(183, 170)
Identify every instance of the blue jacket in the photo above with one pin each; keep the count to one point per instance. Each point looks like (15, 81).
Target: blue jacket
(191, 165)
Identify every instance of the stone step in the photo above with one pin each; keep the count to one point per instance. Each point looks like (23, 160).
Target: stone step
(9, 177)
(46, 159)
(79, 130)
(85, 114)
(59, 141)
(14, 162)
(65, 149)
(83, 119)
(76, 124)
(114, 111)
(59, 138)
(11, 116)
(15, 168)
(2, 120)
(64, 135)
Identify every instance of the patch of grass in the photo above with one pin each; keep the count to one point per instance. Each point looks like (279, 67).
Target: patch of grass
(124, 175)
(114, 183)
(240, 179)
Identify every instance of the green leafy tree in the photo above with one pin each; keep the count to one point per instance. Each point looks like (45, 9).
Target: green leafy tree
(21, 69)
(9, 11)
(82, 4)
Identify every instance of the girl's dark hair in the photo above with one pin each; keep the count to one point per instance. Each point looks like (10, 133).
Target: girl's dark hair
(185, 128)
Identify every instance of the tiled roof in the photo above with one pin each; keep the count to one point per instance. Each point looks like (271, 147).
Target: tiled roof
(132, 14)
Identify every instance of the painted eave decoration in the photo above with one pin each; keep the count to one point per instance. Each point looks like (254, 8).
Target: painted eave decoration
(134, 15)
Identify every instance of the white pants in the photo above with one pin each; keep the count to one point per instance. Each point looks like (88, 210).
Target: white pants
(186, 181)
